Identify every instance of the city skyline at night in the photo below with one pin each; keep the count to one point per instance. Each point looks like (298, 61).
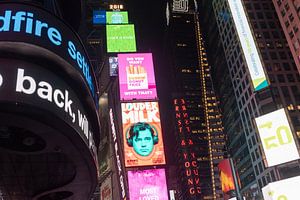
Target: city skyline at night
(140, 100)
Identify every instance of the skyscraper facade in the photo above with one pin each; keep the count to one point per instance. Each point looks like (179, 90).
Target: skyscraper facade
(198, 127)
(289, 17)
(282, 92)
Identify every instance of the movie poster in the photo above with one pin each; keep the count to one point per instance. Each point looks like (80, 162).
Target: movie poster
(148, 184)
(143, 142)
(136, 76)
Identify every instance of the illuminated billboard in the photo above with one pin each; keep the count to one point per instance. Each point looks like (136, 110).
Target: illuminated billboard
(287, 189)
(148, 184)
(226, 176)
(143, 145)
(250, 51)
(115, 17)
(113, 66)
(99, 17)
(120, 38)
(277, 138)
(136, 76)
(106, 189)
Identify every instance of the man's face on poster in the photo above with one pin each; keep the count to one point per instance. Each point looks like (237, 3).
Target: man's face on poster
(143, 143)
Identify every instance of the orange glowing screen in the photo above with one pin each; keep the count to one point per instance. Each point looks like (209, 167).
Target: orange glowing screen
(227, 181)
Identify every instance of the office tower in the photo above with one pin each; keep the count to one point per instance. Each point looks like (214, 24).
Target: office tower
(288, 14)
(198, 127)
(281, 90)
(49, 128)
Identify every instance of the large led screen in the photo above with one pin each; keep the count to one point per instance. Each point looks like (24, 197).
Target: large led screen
(114, 17)
(148, 184)
(253, 60)
(120, 38)
(287, 189)
(136, 76)
(143, 145)
(277, 138)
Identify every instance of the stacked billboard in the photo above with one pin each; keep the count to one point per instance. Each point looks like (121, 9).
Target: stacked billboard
(120, 38)
(143, 145)
(148, 184)
(136, 77)
(142, 134)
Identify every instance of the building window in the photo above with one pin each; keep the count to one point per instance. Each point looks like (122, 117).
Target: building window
(286, 6)
(291, 34)
(283, 13)
(287, 24)
(290, 78)
(291, 17)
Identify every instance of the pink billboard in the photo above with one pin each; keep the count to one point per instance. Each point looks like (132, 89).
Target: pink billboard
(136, 76)
(148, 184)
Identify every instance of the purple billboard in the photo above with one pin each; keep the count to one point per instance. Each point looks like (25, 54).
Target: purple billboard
(136, 76)
(148, 184)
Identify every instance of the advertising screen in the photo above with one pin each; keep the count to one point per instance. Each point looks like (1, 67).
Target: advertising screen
(253, 60)
(287, 189)
(136, 77)
(120, 38)
(113, 66)
(54, 39)
(277, 138)
(106, 189)
(226, 176)
(148, 184)
(143, 145)
(114, 17)
(99, 17)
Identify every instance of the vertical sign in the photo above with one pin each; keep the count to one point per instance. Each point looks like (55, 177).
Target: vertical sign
(120, 172)
(187, 154)
(277, 138)
(136, 76)
(254, 63)
(106, 189)
(113, 66)
(143, 145)
(148, 184)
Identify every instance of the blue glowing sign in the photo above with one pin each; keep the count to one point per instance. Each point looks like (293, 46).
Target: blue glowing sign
(99, 17)
(20, 23)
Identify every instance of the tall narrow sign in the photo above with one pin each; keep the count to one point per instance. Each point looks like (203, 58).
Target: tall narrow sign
(250, 51)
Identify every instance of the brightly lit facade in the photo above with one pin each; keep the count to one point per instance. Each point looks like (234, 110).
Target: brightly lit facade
(283, 90)
(198, 126)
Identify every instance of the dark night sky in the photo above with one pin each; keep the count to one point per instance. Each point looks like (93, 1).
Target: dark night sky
(150, 22)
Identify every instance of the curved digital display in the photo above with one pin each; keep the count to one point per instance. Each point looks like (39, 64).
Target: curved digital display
(28, 84)
(31, 25)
